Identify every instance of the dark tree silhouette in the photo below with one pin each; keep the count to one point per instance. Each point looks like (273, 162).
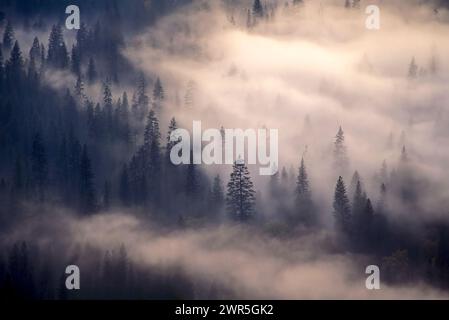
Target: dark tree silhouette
(342, 208)
(87, 190)
(8, 36)
(39, 165)
(304, 204)
(240, 197)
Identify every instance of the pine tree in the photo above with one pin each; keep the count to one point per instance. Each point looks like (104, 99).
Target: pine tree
(152, 154)
(192, 187)
(342, 209)
(91, 71)
(249, 23)
(107, 115)
(142, 98)
(57, 55)
(2, 70)
(151, 133)
(257, 9)
(87, 190)
(73, 173)
(123, 114)
(97, 127)
(358, 206)
(240, 197)
(75, 61)
(14, 66)
(382, 203)
(365, 226)
(216, 199)
(124, 186)
(404, 156)
(383, 174)
(413, 69)
(217, 192)
(18, 179)
(39, 165)
(355, 179)
(356, 4)
(274, 184)
(284, 177)
(82, 40)
(303, 200)
(8, 36)
(107, 195)
(158, 92)
(79, 87)
(189, 98)
(35, 50)
(42, 58)
(433, 64)
(171, 128)
(341, 161)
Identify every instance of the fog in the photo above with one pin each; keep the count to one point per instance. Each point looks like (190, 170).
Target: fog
(317, 61)
(249, 263)
(306, 71)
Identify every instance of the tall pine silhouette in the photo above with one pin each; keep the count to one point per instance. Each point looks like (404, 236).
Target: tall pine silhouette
(240, 197)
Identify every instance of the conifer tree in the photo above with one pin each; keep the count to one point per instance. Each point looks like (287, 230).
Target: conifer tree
(35, 50)
(14, 66)
(106, 195)
(354, 180)
(2, 70)
(158, 93)
(124, 186)
(79, 87)
(39, 165)
(249, 23)
(413, 69)
(342, 209)
(123, 114)
(151, 133)
(366, 226)
(217, 192)
(142, 98)
(257, 9)
(152, 153)
(171, 128)
(192, 187)
(91, 71)
(82, 40)
(189, 98)
(75, 61)
(303, 197)
(87, 189)
(382, 203)
(359, 200)
(240, 197)
(8, 36)
(57, 55)
(341, 161)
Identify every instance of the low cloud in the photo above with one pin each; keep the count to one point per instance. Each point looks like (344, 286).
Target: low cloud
(242, 259)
